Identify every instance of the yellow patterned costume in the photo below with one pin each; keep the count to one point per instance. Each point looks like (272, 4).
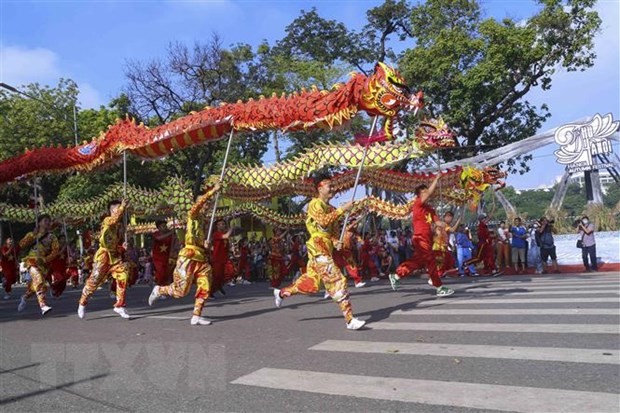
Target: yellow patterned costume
(108, 260)
(322, 224)
(43, 249)
(192, 262)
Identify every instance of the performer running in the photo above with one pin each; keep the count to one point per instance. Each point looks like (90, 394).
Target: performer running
(322, 224)
(485, 248)
(192, 263)
(108, 261)
(344, 258)
(9, 265)
(43, 248)
(423, 216)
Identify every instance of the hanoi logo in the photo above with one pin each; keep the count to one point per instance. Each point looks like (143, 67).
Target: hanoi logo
(580, 143)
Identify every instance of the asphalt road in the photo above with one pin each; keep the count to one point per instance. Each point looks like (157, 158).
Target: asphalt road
(518, 343)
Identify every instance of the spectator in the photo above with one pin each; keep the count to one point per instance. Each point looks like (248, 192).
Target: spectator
(534, 251)
(519, 241)
(392, 246)
(464, 247)
(586, 230)
(503, 246)
(547, 245)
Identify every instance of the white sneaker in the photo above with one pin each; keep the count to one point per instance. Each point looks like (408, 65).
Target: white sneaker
(360, 284)
(231, 284)
(22, 304)
(45, 309)
(430, 282)
(113, 295)
(199, 321)
(276, 294)
(154, 295)
(121, 311)
(326, 296)
(355, 324)
(375, 279)
(7, 296)
(81, 311)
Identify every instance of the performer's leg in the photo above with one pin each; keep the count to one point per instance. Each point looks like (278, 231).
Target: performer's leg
(9, 279)
(203, 281)
(38, 285)
(336, 286)
(183, 277)
(120, 273)
(99, 273)
(307, 283)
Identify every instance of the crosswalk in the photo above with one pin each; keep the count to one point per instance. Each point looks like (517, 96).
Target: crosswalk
(577, 336)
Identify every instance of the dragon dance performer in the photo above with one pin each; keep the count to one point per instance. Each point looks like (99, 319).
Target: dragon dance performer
(163, 243)
(279, 269)
(43, 246)
(485, 248)
(58, 269)
(108, 261)
(223, 270)
(344, 257)
(322, 224)
(192, 263)
(423, 216)
(297, 263)
(9, 265)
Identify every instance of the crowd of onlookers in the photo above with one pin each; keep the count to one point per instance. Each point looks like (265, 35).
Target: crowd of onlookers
(515, 246)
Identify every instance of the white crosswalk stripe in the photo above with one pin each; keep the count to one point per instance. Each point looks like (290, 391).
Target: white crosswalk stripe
(506, 328)
(472, 395)
(484, 301)
(456, 300)
(509, 311)
(573, 355)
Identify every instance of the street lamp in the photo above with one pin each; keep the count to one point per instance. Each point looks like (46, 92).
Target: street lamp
(15, 90)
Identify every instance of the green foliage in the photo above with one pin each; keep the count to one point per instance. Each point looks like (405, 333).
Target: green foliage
(477, 72)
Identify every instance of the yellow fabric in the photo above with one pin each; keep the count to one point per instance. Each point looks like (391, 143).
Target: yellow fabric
(41, 252)
(322, 225)
(110, 237)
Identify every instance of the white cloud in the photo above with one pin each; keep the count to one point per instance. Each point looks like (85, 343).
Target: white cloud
(89, 97)
(20, 66)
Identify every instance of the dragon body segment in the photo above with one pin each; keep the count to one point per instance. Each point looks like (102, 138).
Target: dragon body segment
(383, 93)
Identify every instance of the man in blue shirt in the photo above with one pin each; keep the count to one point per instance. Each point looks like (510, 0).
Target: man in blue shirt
(518, 243)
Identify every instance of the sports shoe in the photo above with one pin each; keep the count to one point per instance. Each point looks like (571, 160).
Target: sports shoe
(154, 295)
(375, 279)
(496, 273)
(7, 296)
(45, 309)
(276, 294)
(326, 295)
(113, 295)
(394, 281)
(360, 284)
(121, 311)
(444, 291)
(474, 274)
(81, 311)
(231, 284)
(22, 304)
(430, 282)
(199, 321)
(355, 324)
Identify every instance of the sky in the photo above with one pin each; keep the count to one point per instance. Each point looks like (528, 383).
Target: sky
(92, 41)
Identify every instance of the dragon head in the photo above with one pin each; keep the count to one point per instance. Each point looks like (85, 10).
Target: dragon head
(434, 133)
(385, 93)
(475, 181)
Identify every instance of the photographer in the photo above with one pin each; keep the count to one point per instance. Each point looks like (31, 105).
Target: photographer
(586, 231)
(546, 243)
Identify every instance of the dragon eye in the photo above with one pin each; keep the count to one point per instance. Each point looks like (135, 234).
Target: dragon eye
(399, 85)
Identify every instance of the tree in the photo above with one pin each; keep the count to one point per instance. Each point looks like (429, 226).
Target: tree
(188, 79)
(477, 72)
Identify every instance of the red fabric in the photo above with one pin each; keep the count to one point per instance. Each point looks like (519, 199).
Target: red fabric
(278, 268)
(244, 263)
(219, 259)
(344, 259)
(485, 252)
(367, 262)
(58, 271)
(161, 256)
(423, 215)
(9, 266)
